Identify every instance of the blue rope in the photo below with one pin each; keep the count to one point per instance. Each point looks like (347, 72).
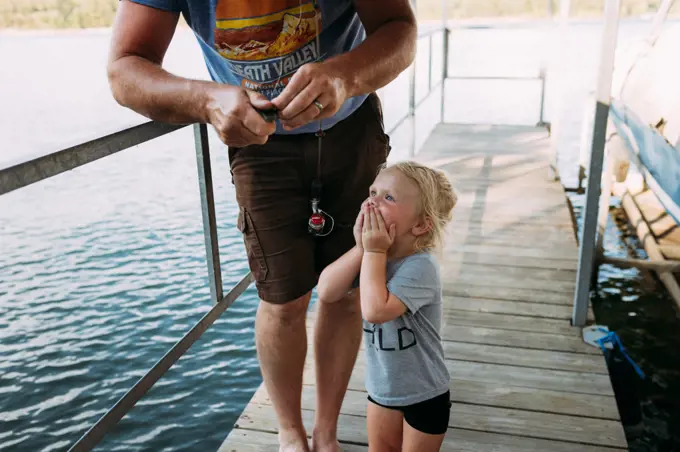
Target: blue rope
(614, 338)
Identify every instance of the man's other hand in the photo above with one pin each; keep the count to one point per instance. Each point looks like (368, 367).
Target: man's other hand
(232, 112)
(320, 82)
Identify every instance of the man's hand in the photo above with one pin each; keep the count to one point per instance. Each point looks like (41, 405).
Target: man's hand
(320, 82)
(389, 48)
(232, 112)
(376, 237)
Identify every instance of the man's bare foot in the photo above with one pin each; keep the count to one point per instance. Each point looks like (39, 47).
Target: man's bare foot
(293, 441)
(325, 443)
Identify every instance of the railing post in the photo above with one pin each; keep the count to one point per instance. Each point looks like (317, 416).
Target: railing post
(445, 59)
(541, 122)
(587, 245)
(208, 211)
(412, 90)
(412, 98)
(429, 64)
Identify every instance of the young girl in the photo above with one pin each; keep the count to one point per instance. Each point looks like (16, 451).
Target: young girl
(399, 227)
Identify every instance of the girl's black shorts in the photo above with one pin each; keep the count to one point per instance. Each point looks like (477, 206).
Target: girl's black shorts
(429, 416)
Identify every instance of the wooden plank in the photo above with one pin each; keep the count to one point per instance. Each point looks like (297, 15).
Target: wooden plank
(501, 283)
(507, 322)
(484, 420)
(479, 290)
(496, 215)
(523, 281)
(523, 262)
(510, 338)
(502, 191)
(556, 380)
(463, 218)
(502, 200)
(493, 420)
(511, 271)
(502, 375)
(242, 440)
(460, 321)
(509, 395)
(568, 252)
(522, 228)
(470, 441)
(512, 322)
(539, 359)
(494, 271)
(520, 308)
(533, 399)
(504, 197)
(523, 357)
(539, 425)
(499, 234)
(507, 172)
(509, 240)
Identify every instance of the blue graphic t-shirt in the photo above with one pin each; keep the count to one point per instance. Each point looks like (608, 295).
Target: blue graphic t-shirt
(259, 44)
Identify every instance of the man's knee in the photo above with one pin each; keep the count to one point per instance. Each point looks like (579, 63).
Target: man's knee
(288, 313)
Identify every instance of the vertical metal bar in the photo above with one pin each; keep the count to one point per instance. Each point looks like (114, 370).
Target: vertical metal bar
(445, 68)
(587, 246)
(445, 50)
(429, 65)
(541, 123)
(208, 211)
(412, 90)
(412, 96)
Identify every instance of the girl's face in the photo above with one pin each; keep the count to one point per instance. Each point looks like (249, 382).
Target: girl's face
(396, 197)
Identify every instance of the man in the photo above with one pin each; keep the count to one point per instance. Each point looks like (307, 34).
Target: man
(318, 63)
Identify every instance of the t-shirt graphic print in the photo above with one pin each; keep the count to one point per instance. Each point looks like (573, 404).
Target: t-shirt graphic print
(265, 42)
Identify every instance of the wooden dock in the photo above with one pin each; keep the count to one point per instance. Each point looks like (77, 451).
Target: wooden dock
(522, 378)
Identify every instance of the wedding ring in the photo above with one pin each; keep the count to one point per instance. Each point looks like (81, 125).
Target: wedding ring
(319, 105)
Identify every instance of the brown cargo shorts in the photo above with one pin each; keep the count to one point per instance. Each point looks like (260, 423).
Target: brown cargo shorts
(273, 191)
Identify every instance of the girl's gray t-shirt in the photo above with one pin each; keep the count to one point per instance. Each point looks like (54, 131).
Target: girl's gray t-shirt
(404, 357)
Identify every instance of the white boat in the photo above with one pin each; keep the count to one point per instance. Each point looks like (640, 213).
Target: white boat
(645, 110)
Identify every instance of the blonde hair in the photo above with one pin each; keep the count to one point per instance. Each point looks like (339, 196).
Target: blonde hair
(437, 200)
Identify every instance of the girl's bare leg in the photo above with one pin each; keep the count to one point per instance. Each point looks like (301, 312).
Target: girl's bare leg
(384, 428)
(417, 441)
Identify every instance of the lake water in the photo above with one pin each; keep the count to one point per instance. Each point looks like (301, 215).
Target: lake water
(102, 269)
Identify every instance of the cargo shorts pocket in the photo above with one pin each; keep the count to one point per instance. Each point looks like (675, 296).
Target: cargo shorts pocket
(256, 258)
(379, 123)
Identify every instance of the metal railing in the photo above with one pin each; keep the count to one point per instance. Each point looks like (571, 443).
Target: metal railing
(30, 172)
(587, 244)
(413, 102)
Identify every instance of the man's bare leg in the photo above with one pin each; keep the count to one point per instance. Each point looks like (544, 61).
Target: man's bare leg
(337, 336)
(281, 340)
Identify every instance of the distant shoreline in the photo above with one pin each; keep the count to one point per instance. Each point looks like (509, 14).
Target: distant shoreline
(499, 22)
(58, 15)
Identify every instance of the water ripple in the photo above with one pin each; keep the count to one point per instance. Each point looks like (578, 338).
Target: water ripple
(88, 307)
